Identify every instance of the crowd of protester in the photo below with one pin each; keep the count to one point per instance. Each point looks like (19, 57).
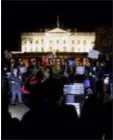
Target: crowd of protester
(49, 117)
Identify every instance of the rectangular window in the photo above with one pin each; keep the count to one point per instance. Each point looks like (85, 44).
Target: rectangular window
(73, 42)
(78, 41)
(64, 42)
(36, 41)
(50, 41)
(31, 41)
(84, 41)
(57, 41)
(42, 41)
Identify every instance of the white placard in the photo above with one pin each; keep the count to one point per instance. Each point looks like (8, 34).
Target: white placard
(106, 80)
(66, 87)
(80, 70)
(8, 74)
(22, 70)
(77, 89)
(93, 54)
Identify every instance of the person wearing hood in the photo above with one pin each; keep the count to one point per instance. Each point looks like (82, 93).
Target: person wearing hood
(15, 81)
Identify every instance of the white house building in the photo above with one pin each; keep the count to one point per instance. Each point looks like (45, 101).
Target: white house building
(57, 40)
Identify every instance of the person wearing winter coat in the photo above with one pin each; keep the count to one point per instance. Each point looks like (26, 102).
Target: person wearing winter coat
(15, 86)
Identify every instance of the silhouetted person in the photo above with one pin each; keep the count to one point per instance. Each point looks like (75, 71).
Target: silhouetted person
(15, 81)
(89, 121)
(30, 81)
(10, 127)
(4, 81)
(48, 118)
(106, 119)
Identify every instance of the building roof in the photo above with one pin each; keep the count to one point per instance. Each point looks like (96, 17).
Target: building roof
(57, 30)
(32, 34)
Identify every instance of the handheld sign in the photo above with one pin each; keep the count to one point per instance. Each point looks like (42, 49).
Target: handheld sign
(93, 54)
(80, 70)
(76, 88)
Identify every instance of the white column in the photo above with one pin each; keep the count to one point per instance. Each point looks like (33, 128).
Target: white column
(34, 46)
(28, 46)
(22, 49)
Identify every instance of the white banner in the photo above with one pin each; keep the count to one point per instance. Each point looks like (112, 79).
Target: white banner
(93, 54)
(80, 70)
(76, 88)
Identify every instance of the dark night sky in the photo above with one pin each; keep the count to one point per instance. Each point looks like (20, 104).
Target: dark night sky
(21, 16)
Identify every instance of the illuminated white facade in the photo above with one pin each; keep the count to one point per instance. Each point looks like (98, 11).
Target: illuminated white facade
(57, 40)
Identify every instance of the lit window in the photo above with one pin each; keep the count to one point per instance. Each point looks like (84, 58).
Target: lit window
(84, 41)
(36, 41)
(72, 41)
(78, 41)
(31, 41)
(57, 41)
(64, 42)
(50, 41)
(42, 40)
